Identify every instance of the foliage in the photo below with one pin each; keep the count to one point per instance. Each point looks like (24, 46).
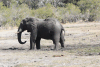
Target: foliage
(71, 1)
(91, 6)
(44, 12)
(13, 11)
(13, 15)
(72, 9)
(70, 12)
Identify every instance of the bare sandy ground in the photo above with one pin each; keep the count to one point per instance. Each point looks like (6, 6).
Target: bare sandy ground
(82, 48)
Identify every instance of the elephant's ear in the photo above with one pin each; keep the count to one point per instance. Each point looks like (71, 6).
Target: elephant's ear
(31, 26)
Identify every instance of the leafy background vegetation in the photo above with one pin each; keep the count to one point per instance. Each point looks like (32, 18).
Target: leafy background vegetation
(13, 11)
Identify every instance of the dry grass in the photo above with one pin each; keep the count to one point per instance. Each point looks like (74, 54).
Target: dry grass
(82, 49)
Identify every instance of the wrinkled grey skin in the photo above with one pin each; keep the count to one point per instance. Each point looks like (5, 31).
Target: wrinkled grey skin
(41, 28)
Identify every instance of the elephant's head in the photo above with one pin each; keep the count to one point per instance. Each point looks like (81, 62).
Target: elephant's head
(26, 24)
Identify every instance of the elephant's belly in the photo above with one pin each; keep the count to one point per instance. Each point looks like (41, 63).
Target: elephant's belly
(45, 36)
(45, 32)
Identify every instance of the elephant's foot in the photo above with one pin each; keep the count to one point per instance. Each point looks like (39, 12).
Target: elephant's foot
(31, 49)
(38, 46)
(55, 49)
(62, 45)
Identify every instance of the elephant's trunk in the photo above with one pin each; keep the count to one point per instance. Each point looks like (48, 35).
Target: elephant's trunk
(19, 37)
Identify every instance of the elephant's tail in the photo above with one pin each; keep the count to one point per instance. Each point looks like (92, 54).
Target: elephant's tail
(63, 29)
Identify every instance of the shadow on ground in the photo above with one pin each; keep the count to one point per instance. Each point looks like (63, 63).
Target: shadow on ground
(14, 48)
(80, 50)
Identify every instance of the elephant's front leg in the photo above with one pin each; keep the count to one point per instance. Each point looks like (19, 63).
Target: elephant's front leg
(32, 43)
(38, 43)
(33, 36)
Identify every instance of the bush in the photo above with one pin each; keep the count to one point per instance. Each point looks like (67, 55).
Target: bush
(44, 12)
(70, 13)
(87, 10)
(13, 15)
(91, 6)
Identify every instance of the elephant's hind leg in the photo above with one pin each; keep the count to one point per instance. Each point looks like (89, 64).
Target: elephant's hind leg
(62, 40)
(56, 39)
(38, 43)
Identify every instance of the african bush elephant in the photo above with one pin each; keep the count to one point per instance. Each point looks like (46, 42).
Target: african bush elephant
(46, 28)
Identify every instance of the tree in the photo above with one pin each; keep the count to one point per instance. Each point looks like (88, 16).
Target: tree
(91, 6)
(70, 1)
(6, 3)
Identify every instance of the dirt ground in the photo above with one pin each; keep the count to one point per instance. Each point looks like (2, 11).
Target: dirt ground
(82, 48)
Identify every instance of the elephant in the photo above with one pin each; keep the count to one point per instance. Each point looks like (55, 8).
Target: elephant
(48, 28)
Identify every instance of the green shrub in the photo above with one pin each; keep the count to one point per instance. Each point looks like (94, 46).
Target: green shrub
(43, 12)
(92, 6)
(72, 9)
(22, 12)
(14, 15)
(69, 13)
(86, 10)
